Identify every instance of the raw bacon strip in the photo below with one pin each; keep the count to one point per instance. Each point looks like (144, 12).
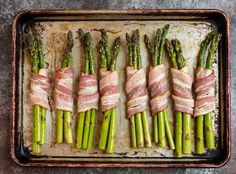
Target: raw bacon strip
(39, 85)
(205, 91)
(182, 90)
(135, 89)
(158, 87)
(88, 95)
(64, 89)
(109, 90)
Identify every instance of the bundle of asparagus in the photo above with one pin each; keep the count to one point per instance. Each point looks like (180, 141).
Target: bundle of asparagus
(158, 85)
(64, 95)
(39, 86)
(182, 95)
(204, 88)
(137, 94)
(88, 96)
(109, 91)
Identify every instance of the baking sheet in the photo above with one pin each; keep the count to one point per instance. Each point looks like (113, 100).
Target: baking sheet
(190, 34)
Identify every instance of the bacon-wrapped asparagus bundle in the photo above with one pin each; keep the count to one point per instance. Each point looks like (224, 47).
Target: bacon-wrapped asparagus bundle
(88, 96)
(64, 95)
(158, 86)
(182, 96)
(109, 91)
(39, 85)
(137, 94)
(205, 94)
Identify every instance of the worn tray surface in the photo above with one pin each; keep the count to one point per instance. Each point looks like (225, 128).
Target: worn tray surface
(189, 32)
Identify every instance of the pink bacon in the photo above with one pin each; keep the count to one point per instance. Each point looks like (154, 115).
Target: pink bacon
(135, 89)
(182, 90)
(109, 89)
(64, 89)
(88, 96)
(39, 85)
(158, 87)
(205, 91)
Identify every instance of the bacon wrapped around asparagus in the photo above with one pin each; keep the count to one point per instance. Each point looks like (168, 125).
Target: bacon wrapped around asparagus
(88, 96)
(109, 91)
(63, 94)
(205, 94)
(39, 86)
(136, 91)
(159, 89)
(182, 96)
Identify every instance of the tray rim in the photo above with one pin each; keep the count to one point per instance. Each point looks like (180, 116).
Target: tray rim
(160, 164)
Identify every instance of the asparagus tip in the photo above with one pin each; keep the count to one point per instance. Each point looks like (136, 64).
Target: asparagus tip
(70, 41)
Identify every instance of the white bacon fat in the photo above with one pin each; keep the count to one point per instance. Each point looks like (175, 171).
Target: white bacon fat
(135, 89)
(205, 91)
(109, 89)
(64, 89)
(88, 96)
(39, 85)
(182, 90)
(159, 89)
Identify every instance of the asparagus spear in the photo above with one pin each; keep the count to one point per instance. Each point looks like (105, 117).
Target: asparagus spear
(64, 125)
(178, 121)
(199, 119)
(209, 132)
(138, 119)
(154, 57)
(80, 126)
(161, 123)
(132, 119)
(139, 127)
(43, 132)
(88, 52)
(31, 43)
(107, 139)
(145, 131)
(186, 117)
(86, 122)
(105, 60)
(112, 128)
(92, 71)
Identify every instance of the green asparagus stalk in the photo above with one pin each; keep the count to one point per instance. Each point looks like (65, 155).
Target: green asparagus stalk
(154, 56)
(212, 38)
(132, 119)
(146, 132)
(138, 119)
(41, 65)
(178, 121)
(106, 116)
(93, 111)
(112, 128)
(187, 120)
(161, 125)
(86, 121)
(199, 119)
(81, 119)
(88, 52)
(108, 60)
(64, 119)
(31, 43)
(209, 132)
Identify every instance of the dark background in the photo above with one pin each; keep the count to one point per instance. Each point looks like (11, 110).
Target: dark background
(8, 8)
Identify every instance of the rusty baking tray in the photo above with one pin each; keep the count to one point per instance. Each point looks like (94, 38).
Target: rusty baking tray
(190, 26)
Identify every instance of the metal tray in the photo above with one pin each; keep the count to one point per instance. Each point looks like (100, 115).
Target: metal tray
(190, 26)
